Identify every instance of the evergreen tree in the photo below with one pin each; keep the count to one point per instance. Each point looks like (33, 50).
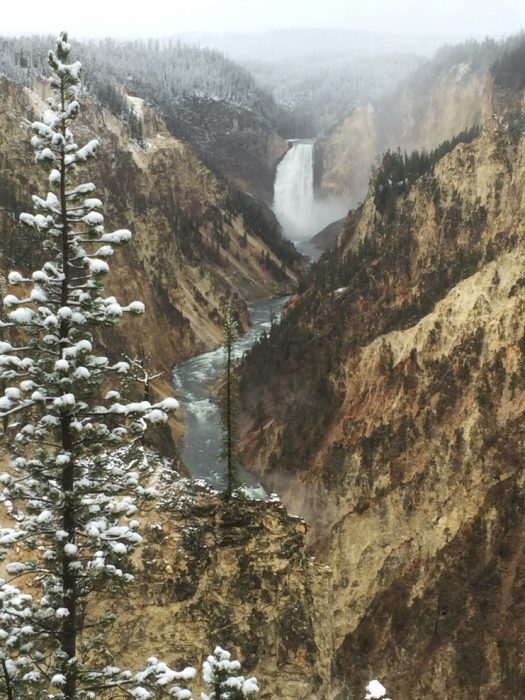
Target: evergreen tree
(230, 403)
(220, 675)
(72, 500)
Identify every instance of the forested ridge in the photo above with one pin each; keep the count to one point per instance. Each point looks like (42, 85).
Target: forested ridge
(399, 170)
(508, 70)
(165, 73)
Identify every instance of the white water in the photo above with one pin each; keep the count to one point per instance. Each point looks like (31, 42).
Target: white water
(301, 217)
(300, 214)
(293, 200)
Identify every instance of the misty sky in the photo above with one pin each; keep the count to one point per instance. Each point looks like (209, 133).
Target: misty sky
(141, 18)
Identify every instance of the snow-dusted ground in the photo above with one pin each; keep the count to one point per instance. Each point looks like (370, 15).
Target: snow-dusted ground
(137, 105)
(192, 380)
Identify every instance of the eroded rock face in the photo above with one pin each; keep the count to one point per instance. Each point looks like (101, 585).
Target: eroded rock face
(194, 239)
(394, 423)
(345, 157)
(234, 574)
(421, 115)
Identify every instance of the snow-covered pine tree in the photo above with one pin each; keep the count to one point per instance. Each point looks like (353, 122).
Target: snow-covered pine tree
(229, 402)
(74, 504)
(222, 679)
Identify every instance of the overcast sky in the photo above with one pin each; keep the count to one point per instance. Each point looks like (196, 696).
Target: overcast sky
(141, 18)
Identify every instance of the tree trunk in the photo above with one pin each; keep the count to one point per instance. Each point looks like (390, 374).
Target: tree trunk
(229, 427)
(8, 688)
(68, 641)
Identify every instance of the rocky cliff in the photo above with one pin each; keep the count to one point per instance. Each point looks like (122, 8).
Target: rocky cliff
(441, 99)
(237, 142)
(229, 573)
(195, 239)
(393, 421)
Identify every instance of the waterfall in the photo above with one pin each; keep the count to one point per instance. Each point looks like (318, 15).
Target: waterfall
(293, 202)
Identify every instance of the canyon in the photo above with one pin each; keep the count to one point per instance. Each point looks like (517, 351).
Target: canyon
(195, 239)
(385, 408)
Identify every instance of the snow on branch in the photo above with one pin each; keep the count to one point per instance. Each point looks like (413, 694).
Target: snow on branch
(71, 490)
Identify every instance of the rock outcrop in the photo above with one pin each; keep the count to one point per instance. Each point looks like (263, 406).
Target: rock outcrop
(230, 573)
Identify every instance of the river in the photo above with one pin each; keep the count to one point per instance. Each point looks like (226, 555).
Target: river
(300, 216)
(192, 379)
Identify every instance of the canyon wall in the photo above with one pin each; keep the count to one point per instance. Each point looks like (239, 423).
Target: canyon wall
(393, 420)
(234, 573)
(433, 105)
(195, 240)
(236, 142)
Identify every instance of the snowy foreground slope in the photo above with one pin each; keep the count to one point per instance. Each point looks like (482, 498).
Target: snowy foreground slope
(235, 574)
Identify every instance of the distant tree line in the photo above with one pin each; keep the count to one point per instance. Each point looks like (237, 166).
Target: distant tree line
(167, 74)
(508, 70)
(319, 94)
(296, 98)
(479, 55)
(473, 56)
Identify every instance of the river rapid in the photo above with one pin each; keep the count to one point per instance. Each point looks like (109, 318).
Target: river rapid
(193, 378)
